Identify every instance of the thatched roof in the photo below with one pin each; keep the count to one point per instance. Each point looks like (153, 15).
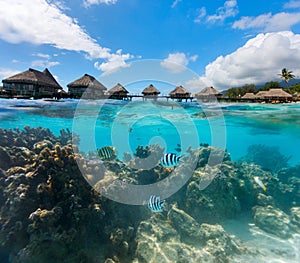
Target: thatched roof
(87, 81)
(261, 94)
(150, 90)
(33, 76)
(208, 91)
(249, 96)
(179, 91)
(279, 93)
(118, 89)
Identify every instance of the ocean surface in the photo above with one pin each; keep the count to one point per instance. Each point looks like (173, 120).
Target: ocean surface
(240, 125)
(256, 134)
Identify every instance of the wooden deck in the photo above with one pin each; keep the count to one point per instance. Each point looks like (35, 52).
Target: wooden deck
(131, 96)
(178, 99)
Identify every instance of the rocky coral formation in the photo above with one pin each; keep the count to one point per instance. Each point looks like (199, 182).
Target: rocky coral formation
(182, 239)
(50, 211)
(19, 147)
(273, 221)
(269, 157)
(146, 158)
(295, 218)
(46, 202)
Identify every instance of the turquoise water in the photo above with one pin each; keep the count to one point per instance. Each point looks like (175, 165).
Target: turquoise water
(57, 206)
(239, 125)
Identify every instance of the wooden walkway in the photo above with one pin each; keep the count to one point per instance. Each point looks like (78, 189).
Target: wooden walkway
(179, 99)
(131, 96)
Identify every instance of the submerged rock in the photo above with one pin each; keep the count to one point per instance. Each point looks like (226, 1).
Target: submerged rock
(182, 239)
(158, 241)
(264, 200)
(5, 158)
(295, 218)
(273, 220)
(184, 224)
(217, 201)
(213, 237)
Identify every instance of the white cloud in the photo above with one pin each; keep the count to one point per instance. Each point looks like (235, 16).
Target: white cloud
(176, 62)
(268, 22)
(196, 84)
(60, 4)
(88, 3)
(56, 78)
(44, 63)
(193, 58)
(114, 63)
(5, 72)
(41, 55)
(292, 4)
(201, 14)
(230, 9)
(16, 26)
(42, 22)
(175, 3)
(258, 61)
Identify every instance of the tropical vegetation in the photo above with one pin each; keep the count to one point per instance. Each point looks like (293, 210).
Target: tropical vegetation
(238, 92)
(286, 75)
(241, 91)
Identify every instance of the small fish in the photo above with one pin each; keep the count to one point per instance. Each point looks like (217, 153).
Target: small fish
(106, 152)
(154, 204)
(170, 160)
(177, 149)
(260, 183)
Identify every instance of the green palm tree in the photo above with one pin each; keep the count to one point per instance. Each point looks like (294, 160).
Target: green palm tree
(286, 75)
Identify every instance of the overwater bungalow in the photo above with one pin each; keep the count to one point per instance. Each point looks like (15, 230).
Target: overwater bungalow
(180, 93)
(261, 95)
(118, 92)
(150, 92)
(249, 96)
(32, 83)
(62, 94)
(4, 93)
(87, 85)
(278, 96)
(208, 93)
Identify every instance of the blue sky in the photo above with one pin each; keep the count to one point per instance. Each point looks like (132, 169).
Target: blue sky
(225, 43)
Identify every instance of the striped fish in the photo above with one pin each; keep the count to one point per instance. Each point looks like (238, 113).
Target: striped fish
(106, 152)
(169, 160)
(154, 204)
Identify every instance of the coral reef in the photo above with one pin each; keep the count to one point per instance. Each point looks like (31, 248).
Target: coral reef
(288, 173)
(273, 221)
(269, 157)
(46, 201)
(182, 239)
(19, 147)
(146, 157)
(51, 213)
(295, 218)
